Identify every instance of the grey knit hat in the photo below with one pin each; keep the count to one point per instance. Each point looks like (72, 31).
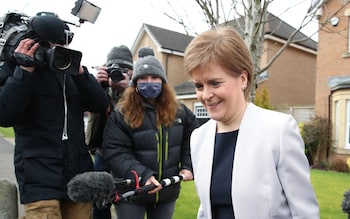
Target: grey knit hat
(120, 55)
(145, 51)
(148, 65)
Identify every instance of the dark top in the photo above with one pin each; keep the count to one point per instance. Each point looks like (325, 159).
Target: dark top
(221, 181)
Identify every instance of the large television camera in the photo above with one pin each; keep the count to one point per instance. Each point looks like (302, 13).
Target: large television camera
(15, 26)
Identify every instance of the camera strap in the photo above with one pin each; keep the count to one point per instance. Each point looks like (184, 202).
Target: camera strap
(25, 60)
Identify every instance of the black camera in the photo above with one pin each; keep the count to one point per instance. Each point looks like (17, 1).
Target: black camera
(15, 27)
(115, 72)
(60, 59)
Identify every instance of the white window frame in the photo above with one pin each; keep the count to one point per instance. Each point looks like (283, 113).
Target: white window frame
(200, 111)
(336, 119)
(347, 127)
(348, 34)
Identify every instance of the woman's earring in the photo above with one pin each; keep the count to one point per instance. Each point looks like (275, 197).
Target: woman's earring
(244, 88)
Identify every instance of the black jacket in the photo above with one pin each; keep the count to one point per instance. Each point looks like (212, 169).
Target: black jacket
(46, 110)
(97, 122)
(149, 150)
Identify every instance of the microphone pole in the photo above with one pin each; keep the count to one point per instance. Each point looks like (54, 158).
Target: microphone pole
(164, 182)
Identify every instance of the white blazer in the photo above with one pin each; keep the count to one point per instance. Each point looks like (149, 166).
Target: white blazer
(271, 175)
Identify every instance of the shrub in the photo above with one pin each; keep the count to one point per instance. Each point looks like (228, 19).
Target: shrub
(324, 165)
(339, 166)
(262, 99)
(345, 205)
(315, 135)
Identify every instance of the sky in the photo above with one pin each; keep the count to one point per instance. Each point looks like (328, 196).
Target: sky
(119, 22)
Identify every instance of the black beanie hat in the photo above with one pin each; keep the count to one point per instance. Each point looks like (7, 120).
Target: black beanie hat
(48, 27)
(145, 51)
(148, 65)
(120, 55)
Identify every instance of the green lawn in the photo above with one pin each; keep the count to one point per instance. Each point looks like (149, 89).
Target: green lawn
(329, 188)
(6, 132)
(188, 202)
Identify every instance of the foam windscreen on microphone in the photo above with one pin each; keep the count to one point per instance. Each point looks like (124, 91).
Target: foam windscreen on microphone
(97, 187)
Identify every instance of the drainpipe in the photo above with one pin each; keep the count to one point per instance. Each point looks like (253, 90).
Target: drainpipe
(166, 64)
(329, 125)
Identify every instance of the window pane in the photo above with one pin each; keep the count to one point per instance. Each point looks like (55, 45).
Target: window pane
(200, 111)
(336, 123)
(347, 128)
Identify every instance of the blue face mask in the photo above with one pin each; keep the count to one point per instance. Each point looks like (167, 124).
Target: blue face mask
(149, 90)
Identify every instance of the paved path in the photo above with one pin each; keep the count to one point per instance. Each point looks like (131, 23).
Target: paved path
(6, 165)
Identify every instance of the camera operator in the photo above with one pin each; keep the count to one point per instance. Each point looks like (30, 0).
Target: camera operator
(114, 78)
(46, 108)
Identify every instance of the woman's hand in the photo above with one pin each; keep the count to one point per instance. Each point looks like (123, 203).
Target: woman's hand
(152, 180)
(186, 175)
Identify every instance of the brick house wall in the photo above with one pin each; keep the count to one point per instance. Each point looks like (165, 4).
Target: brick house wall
(173, 64)
(333, 60)
(291, 77)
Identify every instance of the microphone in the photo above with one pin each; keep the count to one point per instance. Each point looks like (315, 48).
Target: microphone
(97, 187)
(101, 187)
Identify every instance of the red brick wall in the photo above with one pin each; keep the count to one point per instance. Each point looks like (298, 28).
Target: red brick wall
(332, 55)
(291, 79)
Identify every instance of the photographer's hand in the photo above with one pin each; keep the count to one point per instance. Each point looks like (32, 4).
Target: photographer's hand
(102, 75)
(81, 70)
(27, 47)
(121, 85)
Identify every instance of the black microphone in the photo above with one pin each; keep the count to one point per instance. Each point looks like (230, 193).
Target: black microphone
(97, 187)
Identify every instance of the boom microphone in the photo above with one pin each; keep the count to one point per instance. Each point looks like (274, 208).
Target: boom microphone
(97, 187)
(101, 187)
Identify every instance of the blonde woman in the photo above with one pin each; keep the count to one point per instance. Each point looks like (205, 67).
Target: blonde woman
(248, 162)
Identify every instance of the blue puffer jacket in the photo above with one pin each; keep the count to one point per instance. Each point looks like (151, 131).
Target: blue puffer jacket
(46, 110)
(149, 150)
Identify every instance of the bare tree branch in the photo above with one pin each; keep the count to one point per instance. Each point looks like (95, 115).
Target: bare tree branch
(254, 16)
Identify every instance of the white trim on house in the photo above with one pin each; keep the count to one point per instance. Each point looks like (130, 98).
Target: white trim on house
(186, 96)
(303, 48)
(347, 127)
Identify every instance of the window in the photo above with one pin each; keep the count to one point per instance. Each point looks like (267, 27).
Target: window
(336, 125)
(348, 34)
(200, 111)
(347, 128)
(262, 77)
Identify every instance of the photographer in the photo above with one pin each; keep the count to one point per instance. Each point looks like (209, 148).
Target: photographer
(114, 78)
(45, 108)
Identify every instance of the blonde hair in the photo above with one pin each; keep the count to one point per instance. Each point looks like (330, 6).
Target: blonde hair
(223, 46)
